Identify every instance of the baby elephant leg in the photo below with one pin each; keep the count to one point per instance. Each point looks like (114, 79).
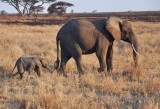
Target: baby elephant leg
(38, 71)
(31, 68)
(21, 74)
(20, 71)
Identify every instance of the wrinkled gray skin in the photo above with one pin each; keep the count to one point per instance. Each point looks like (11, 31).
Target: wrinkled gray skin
(30, 64)
(85, 37)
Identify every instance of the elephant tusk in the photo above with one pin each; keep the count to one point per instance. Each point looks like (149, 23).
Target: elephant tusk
(134, 50)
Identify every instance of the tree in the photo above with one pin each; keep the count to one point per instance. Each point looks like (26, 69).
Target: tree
(36, 9)
(25, 6)
(52, 9)
(59, 7)
(3, 12)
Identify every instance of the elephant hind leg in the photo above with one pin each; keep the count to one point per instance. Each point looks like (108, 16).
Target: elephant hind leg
(79, 66)
(21, 70)
(64, 60)
(77, 57)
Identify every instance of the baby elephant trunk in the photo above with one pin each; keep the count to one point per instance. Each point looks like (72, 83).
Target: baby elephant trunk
(45, 64)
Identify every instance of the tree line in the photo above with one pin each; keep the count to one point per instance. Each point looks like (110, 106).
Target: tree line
(29, 7)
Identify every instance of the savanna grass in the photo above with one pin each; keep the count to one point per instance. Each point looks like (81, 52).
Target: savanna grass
(126, 87)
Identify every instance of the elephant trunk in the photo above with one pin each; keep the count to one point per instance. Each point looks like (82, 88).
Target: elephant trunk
(134, 43)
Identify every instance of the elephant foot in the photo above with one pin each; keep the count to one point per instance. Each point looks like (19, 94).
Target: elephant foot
(39, 75)
(100, 70)
(109, 71)
(62, 72)
(56, 64)
(65, 75)
(80, 74)
(21, 76)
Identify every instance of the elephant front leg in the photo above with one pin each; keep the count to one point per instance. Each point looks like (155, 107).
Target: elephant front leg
(31, 68)
(109, 59)
(102, 60)
(102, 64)
(101, 52)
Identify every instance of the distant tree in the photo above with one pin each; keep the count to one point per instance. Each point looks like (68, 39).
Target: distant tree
(3, 12)
(94, 11)
(25, 6)
(59, 7)
(72, 11)
(52, 9)
(36, 10)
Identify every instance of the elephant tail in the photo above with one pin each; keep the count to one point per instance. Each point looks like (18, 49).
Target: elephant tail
(56, 63)
(14, 67)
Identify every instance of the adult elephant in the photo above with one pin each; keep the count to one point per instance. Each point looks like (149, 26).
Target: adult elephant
(85, 37)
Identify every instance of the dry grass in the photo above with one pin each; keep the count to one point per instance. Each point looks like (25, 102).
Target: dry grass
(126, 87)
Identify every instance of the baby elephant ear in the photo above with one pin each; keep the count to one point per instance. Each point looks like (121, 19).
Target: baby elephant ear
(114, 26)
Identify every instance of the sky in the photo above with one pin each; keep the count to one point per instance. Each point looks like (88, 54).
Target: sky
(102, 6)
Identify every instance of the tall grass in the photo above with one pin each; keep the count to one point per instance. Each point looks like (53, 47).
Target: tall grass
(126, 87)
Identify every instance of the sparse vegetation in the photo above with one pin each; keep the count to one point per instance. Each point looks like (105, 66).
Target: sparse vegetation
(3, 12)
(125, 88)
(59, 7)
(27, 6)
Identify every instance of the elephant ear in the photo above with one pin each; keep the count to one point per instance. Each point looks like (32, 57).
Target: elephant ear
(114, 26)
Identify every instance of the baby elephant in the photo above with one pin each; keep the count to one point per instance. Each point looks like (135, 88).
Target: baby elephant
(29, 64)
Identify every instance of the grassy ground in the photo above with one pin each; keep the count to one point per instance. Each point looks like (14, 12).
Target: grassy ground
(125, 88)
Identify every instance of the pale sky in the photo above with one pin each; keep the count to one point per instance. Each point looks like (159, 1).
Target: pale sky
(102, 6)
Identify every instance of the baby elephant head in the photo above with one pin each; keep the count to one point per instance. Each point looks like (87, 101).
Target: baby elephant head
(45, 64)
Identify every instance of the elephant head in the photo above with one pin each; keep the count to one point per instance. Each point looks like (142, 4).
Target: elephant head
(123, 30)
